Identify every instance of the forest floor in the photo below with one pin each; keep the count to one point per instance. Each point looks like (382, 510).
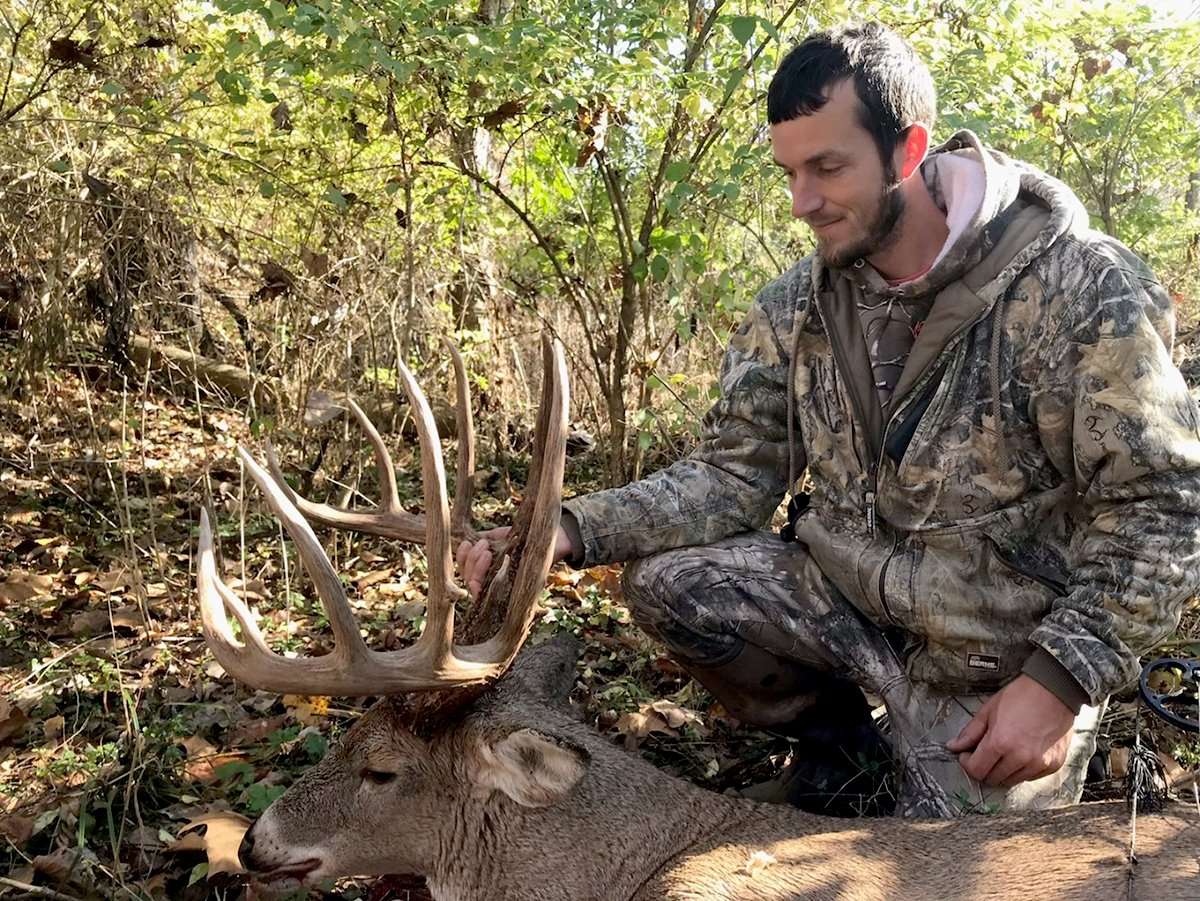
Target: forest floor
(128, 758)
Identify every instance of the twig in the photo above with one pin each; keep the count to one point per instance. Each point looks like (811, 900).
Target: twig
(36, 890)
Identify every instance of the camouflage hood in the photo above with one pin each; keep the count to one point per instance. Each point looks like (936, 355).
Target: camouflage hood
(1028, 501)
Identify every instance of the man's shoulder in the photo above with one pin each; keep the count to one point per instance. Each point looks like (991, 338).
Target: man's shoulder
(790, 290)
(1086, 256)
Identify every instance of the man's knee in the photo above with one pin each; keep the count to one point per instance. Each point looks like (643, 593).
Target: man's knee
(668, 599)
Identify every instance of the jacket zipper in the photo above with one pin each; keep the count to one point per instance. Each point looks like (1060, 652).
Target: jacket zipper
(1058, 588)
(872, 472)
(870, 498)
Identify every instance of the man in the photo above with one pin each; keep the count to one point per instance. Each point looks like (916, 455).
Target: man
(1004, 462)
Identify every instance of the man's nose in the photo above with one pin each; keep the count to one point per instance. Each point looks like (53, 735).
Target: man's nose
(805, 201)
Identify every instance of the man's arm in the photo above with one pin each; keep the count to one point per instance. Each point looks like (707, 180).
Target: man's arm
(732, 481)
(737, 475)
(1116, 416)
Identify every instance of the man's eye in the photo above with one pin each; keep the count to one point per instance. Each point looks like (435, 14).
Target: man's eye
(830, 170)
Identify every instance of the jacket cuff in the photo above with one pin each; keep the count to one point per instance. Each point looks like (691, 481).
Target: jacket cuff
(571, 526)
(1042, 667)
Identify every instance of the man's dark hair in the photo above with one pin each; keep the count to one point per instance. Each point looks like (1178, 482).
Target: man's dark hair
(893, 85)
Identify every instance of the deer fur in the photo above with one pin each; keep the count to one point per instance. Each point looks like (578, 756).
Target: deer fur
(516, 800)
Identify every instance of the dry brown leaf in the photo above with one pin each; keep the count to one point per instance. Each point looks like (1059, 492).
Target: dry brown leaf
(373, 578)
(89, 622)
(94, 622)
(113, 581)
(53, 730)
(306, 709)
(564, 578)
(636, 726)
(255, 730)
(677, 716)
(12, 720)
(17, 829)
(218, 835)
(19, 588)
(65, 865)
(1177, 776)
(129, 617)
(203, 759)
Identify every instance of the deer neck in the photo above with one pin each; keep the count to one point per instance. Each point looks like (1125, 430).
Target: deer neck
(611, 837)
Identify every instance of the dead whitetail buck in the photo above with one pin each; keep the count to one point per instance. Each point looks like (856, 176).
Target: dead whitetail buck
(498, 792)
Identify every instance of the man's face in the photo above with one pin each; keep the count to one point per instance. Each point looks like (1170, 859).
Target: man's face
(838, 183)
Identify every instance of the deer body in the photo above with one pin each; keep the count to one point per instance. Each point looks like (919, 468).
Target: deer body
(518, 801)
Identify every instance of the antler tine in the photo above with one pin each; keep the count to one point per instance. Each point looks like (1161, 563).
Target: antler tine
(388, 519)
(438, 637)
(464, 487)
(384, 468)
(316, 563)
(544, 497)
(214, 598)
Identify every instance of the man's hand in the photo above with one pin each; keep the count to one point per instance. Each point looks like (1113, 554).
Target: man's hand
(1022, 732)
(474, 559)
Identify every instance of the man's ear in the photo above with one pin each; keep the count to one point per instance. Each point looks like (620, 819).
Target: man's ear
(532, 768)
(910, 151)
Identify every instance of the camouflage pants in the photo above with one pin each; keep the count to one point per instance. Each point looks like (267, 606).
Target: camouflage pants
(704, 603)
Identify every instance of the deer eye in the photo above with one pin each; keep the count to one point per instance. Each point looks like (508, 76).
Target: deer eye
(378, 777)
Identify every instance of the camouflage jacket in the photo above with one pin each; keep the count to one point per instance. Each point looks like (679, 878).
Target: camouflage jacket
(1029, 499)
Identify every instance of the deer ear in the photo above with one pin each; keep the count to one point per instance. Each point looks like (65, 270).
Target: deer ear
(532, 768)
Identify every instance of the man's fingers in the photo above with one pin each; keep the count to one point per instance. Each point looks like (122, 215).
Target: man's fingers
(979, 763)
(1007, 771)
(480, 558)
(460, 556)
(970, 735)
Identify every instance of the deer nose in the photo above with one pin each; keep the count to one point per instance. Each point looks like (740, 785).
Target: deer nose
(246, 849)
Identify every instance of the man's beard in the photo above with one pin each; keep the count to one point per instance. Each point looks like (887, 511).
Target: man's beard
(881, 231)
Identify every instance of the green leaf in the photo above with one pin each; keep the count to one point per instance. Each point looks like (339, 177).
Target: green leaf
(645, 439)
(743, 28)
(266, 188)
(59, 166)
(199, 871)
(337, 198)
(678, 170)
(113, 88)
(315, 745)
(660, 268)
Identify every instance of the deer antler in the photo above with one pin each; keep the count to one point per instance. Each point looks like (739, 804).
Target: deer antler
(388, 518)
(434, 661)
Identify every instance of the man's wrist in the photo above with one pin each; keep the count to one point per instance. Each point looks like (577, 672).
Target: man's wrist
(570, 525)
(1043, 668)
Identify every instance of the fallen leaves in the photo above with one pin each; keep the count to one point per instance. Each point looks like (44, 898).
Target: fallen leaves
(306, 709)
(219, 835)
(23, 587)
(12, 720)
(204, 760)
(93, 622)
(662, 716)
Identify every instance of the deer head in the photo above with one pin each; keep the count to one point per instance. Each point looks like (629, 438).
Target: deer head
(409, 760)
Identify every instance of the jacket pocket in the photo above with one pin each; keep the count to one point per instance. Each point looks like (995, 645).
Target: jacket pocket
(973, 608)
